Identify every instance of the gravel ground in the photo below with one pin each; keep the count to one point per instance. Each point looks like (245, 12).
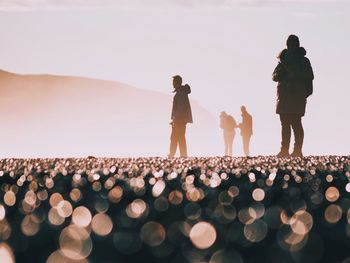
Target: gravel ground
(209, 209)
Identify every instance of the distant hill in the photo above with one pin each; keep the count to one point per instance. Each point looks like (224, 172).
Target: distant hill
(47, 115)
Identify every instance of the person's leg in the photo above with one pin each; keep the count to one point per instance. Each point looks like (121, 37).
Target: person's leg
(173, 139)
(226, 143)
(298, 130)
(230, 143)
(182, 139)
(246, 140)
(286, 133)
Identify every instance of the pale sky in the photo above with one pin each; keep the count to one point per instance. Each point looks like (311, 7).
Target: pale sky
(226, 50)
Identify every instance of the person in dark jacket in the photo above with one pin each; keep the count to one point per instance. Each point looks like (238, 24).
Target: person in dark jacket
(181, 114)
(294, 76)
(246, 127)
(228, 124)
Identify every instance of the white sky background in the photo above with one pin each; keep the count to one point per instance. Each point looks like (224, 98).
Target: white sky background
(226, 51)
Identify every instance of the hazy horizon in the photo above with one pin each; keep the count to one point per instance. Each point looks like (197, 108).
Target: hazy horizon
(225, 50)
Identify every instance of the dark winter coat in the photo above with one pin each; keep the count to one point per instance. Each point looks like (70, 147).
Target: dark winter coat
(228, 123)
(246, 125)
(294, 76)
(181, 111)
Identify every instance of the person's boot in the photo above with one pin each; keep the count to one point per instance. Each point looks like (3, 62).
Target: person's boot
(297, 152)
(283, 153)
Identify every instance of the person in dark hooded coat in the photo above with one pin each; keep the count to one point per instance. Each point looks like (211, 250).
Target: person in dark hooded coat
(181, 114)
(294, 76)
(228, 124)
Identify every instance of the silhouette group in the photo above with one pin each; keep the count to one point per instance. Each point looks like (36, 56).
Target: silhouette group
(294, 76)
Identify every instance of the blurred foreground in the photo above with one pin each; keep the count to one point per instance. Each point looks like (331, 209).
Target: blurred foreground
(216, 210)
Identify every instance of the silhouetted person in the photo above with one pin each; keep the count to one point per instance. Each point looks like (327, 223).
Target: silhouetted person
(228, 124)
(181, 115)
(294, 76)
(246, 127)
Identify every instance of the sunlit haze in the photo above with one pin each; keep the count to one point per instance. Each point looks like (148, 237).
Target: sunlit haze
(225, 50)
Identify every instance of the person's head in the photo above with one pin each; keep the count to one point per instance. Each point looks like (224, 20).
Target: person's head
(293, 42)
(243, 109)
(283, 55)
(223, 114)
(177, 81)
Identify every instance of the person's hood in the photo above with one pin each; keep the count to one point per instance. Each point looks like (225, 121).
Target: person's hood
(286, 54)
(186, 89)
(300, 52)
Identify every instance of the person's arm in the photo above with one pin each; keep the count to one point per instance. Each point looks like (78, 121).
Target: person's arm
(279, 72)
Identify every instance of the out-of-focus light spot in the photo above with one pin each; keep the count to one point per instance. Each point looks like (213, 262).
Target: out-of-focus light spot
(269, 182)
(258, 194)
(81, 216)
(54, 217)
(225, 213)
(256, 231)
(158, 188)
(136, 209)
(75, 242)
(192, 211)
(194, 194)
(203, 235)
(347, 187)
(101, 205)
(272, 176)
(2, 212)
(226, 256)
(10, 198)
(329, 178)
(189, 179)
(58, 257)
(161, 204)
(289, 240)
(5, 230)
(153, 233)
(347, 260)
(332, 194)
(30, 225)
(225, 198)
(172, 176)
(233, 191)
(246, 216)
(75, 195)
(223, 176)
(251, 177)
(96, 186)
(64, 208)
(42, 195)
(96, 177)
(101, 224)
(152, 181)
(55, 198)
(301, 222)
(30, 198)
(298, 179)
(116, 194)
(215, 180)
(175, 197)
(6, 254)
(109, 183)
(285, 218)
(256, 210)
(49, 183)
(333, 214)
(316, 198)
